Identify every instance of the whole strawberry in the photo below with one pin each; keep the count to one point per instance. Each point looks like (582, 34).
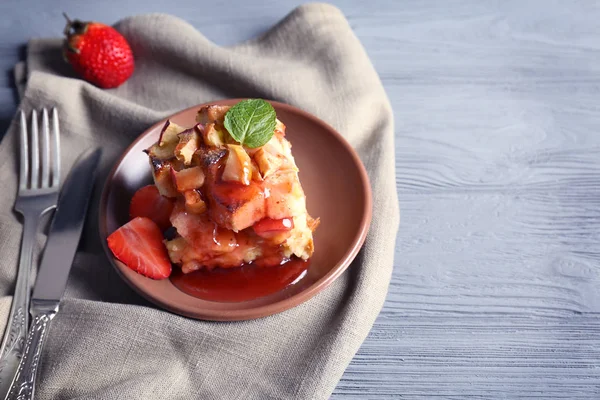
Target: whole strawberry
(98, 53)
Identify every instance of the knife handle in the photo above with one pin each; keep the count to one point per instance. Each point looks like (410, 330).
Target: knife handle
(24, 384)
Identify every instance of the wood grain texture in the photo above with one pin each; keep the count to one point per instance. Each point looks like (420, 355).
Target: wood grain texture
(496, 288)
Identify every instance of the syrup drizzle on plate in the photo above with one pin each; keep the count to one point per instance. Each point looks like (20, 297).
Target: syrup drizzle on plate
(243, 283)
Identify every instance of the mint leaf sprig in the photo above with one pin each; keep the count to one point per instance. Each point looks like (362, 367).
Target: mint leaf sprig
(251, 122)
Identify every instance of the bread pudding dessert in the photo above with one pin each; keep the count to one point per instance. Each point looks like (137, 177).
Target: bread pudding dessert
(226, 193)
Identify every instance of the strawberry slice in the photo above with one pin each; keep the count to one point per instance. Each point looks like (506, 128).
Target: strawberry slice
(139, 245)
(148, 202)
(270, 228)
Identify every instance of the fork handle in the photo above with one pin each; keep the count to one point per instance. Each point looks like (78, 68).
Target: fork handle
(18, 321)
(24, 384)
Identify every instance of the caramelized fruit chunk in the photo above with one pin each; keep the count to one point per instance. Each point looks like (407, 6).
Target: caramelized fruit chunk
(169, 133)
(212, 113)
(214, 135)
(238, 167)
(207, 156)
(161, 172)
(267, 162)
(188, 178)
(167, 141)
(194, 202)
(235, 206)
(189, 141)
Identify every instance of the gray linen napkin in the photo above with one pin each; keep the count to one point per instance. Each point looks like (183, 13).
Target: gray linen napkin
(107, 342)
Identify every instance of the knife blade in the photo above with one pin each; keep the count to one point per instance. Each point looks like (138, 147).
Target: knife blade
(66, 228)
(59, 253)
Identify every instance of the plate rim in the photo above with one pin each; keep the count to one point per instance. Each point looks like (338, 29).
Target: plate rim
(264, 310)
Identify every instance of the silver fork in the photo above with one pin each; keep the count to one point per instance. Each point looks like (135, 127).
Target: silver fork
(39, 181)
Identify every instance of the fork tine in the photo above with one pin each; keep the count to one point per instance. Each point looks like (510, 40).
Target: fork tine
(24, 159)
(56, 148)
(35, 151)
(45, 147)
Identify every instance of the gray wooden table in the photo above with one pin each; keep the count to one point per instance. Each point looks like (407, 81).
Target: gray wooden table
(496, 287)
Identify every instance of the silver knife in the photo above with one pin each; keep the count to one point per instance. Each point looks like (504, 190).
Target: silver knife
(58, 256)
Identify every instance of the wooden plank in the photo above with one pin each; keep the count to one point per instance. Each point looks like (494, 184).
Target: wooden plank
(481, 356)
(495, 287)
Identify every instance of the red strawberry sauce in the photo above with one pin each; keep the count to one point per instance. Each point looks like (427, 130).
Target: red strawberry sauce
(247, 282)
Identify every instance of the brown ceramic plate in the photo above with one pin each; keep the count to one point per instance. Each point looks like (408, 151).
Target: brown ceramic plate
(337, 190)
